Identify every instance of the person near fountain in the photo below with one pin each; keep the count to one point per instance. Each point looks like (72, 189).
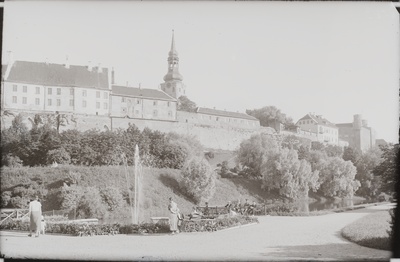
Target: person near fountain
(195, 214)
(173, 217)
(35, 215)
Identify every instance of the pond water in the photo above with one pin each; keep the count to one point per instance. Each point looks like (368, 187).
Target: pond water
(306, 206)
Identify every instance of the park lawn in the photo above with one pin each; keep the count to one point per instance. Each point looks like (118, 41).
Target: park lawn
(370, 231)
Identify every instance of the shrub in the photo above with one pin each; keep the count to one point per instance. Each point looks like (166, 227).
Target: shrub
(11, 161)
(59, 155)
(90, 204)
(198, 180)
(112, 197)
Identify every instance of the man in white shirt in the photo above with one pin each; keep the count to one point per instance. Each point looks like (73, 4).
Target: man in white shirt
(35, 214)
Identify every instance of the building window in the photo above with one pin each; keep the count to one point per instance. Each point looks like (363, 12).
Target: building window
(217, 118)
(97, 94)
(58, 102)
(84, 103)
(71, 102)
(136, 112)
(169, 113)
(15, 88)
(24, 89)
(83, 92)
(124, 110)
(155, 113)
(123, 99)
(37, 90)
(14, 99)
(58, 91)
(169, 104)
(105, 95)
(71, 92)
(138, 101)
(37, 101)
(154, 103)
(24, 100)
(97, 104)
(49, 91)
(105, 106)
(49, 102)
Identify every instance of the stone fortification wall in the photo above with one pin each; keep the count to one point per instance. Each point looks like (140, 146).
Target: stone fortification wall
(196, 118)
(212, 137)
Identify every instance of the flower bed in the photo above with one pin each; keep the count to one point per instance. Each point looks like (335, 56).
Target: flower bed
(204, 225)
(211, 225)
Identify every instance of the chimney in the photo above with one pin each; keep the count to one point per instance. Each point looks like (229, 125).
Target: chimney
(99, 68)
(364, 123)
(90, 66)
(10, 58)
(66, 63)
(112, 76)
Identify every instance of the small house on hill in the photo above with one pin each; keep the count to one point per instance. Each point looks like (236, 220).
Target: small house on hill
(325, 131)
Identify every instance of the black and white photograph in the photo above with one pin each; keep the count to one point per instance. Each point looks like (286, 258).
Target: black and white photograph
(199, 131)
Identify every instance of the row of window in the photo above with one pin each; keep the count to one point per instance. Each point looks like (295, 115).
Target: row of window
(58, 102)
(58, 91)
(137, 112)
(224, 119)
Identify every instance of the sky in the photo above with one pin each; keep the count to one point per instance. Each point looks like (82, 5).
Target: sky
(335, 59)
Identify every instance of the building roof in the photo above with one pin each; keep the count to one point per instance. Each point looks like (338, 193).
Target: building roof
(3, 71)
(49, 74)
(141, 92)
(345, 125)
(319, 119)
(209, 111)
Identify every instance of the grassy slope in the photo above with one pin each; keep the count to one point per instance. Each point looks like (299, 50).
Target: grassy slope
(157, 186)
(376, 236)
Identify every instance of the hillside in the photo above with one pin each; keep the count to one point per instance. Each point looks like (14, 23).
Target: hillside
(157, 186)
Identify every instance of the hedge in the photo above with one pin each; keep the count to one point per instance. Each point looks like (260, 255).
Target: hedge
(204, 225)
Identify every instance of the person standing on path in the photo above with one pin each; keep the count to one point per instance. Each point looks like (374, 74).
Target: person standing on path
(35, 215)
(173, 217)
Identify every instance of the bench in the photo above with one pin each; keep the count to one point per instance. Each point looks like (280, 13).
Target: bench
(160, 220)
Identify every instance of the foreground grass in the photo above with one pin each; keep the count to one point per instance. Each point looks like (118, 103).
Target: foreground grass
(370, 231)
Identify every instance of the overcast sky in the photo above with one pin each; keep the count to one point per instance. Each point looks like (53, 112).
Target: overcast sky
(336, 59)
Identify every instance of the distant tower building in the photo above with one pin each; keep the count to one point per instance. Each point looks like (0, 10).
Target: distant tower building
(173, 85)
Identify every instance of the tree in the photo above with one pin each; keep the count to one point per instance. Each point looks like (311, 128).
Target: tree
(370, 183)
(334, 151)
(198, 179)
(351, 154)
(185, 104)
(90, 204)
(387, 169)
(252, 152)
(268, 115)
(291, 177)
(337, 178)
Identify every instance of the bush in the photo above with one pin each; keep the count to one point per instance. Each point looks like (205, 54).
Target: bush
(59, 155)
(11, 161)
(211, 225)
(198, 180)
(112, 197)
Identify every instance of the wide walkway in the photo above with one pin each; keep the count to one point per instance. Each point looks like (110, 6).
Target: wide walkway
(274, 238)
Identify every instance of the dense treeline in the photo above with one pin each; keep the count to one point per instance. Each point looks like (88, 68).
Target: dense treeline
(292, 167)
(44, 145)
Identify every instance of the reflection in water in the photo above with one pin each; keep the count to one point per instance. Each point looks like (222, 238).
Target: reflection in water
(333, 204)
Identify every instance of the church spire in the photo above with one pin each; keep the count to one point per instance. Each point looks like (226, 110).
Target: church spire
(173, 63)
(173, 52)
(173, 85)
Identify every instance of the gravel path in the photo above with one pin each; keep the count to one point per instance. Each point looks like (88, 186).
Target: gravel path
(273, 239)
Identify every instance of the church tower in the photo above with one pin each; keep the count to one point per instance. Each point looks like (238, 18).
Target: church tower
(173, 85)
